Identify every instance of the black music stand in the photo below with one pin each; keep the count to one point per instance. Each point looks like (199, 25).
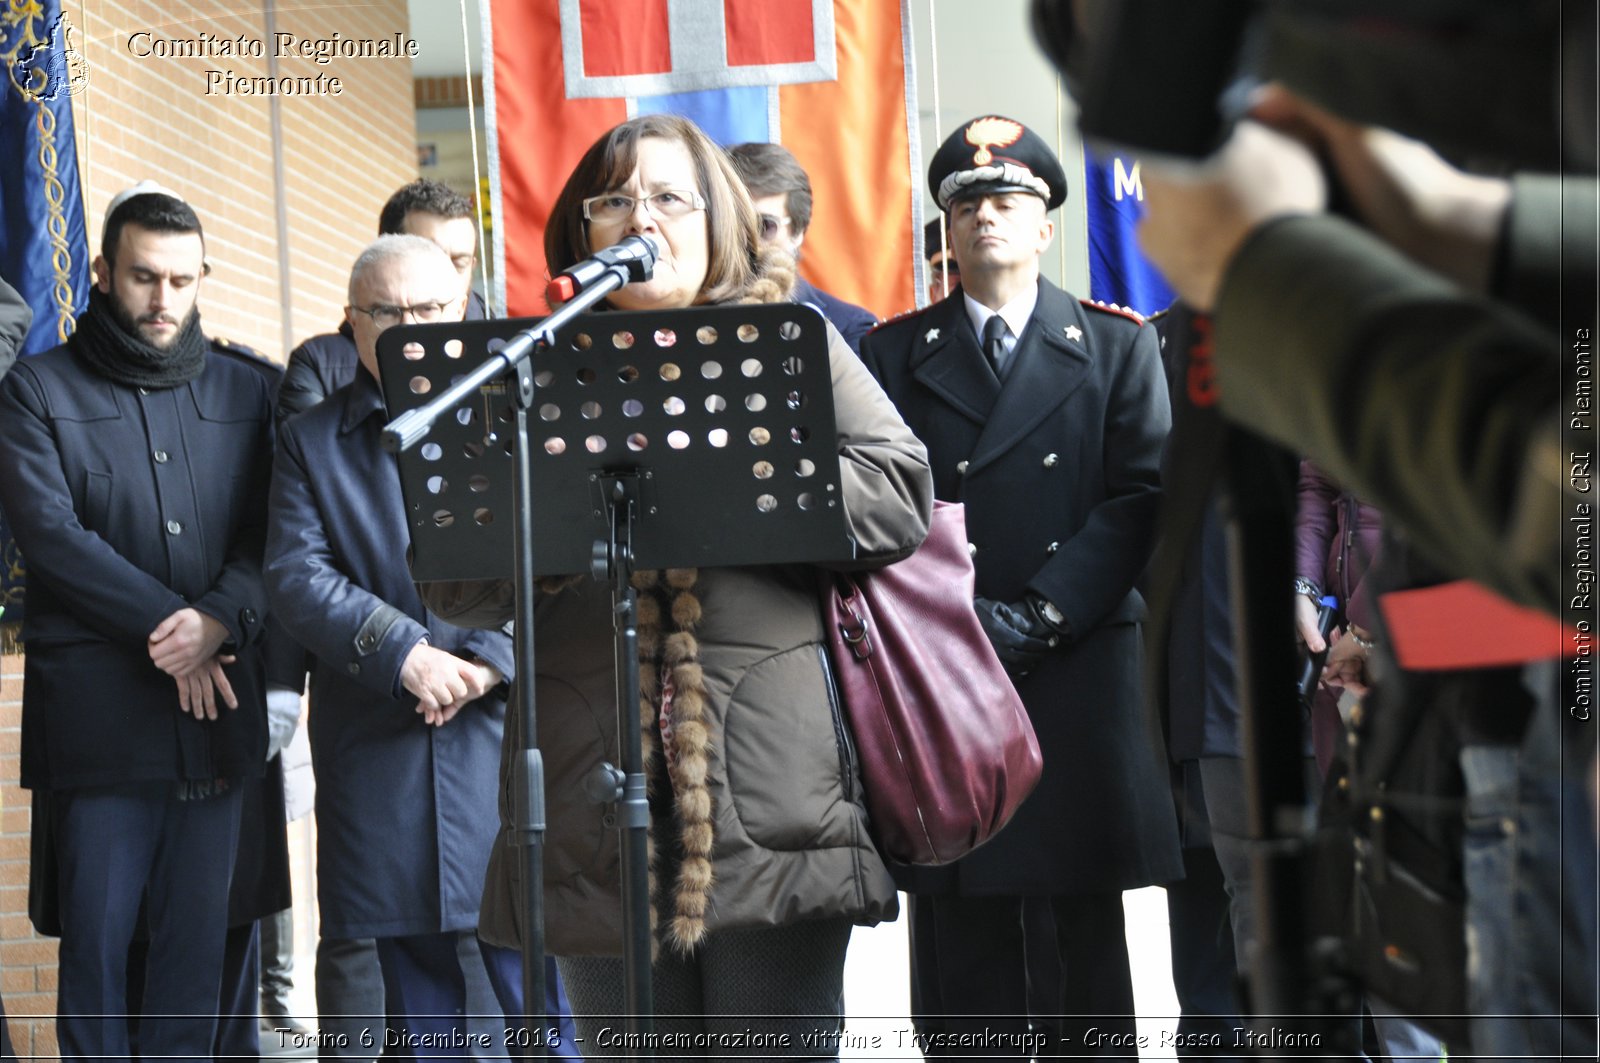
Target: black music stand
(731, 405)
(672, 439)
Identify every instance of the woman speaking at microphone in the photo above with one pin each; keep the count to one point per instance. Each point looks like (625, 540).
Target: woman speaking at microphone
(761, 861)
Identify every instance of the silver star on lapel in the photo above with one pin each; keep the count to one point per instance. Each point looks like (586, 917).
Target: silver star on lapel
(931, 335)
(1074, 333)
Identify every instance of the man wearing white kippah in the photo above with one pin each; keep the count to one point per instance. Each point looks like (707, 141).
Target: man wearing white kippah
(130, 470)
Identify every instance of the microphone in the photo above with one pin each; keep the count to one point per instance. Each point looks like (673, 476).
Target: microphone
(631, 260)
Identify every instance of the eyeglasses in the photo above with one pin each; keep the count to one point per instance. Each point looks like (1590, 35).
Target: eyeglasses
(771, 223)
(667, 203)
(384, 315)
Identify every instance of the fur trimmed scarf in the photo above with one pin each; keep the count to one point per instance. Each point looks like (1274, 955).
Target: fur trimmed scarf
(673, 703)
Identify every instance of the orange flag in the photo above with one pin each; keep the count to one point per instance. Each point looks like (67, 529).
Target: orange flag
(831, 80)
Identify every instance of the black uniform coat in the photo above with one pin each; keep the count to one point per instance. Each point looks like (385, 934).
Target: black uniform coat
(1059, 473)
(405, 811)
(130, 504)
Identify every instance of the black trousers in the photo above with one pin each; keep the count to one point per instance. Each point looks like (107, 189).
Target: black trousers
(970, 958)
(739, 995)
(119, 848)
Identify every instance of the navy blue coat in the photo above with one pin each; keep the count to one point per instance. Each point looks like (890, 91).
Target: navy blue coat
(852, 321)
(1059, 472)
(130, 504)
(405, 811)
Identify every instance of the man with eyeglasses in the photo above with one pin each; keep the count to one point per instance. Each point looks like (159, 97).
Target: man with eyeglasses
(407, 710)
(348, 982)
(782, 193)
(324, 364)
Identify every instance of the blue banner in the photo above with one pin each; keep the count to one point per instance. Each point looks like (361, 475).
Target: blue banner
(44, 251)
(1118, 270)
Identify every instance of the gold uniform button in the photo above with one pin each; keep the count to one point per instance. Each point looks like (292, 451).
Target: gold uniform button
(972, 549)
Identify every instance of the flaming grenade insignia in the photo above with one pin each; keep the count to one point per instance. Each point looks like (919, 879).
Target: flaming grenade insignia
(992, 132)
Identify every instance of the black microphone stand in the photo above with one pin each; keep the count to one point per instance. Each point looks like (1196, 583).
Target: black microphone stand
(528, 804)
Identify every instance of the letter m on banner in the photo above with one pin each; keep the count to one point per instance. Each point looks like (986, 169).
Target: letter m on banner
(831, 80)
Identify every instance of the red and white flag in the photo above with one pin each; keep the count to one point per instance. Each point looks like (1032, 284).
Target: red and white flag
(831, 80)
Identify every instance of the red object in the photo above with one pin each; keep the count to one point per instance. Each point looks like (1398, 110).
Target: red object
(947, 751)
(1465, 625)
(761, 32)
(560, 290)
(622, 37)
(542, 136)
(1202, 372)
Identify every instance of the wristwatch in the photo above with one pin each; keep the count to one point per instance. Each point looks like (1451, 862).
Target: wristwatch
(1307, 588)
(1050, 614)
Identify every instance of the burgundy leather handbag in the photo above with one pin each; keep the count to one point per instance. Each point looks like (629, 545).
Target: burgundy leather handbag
(947, 752)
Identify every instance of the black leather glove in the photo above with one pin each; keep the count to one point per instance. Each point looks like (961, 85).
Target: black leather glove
(1020, 637)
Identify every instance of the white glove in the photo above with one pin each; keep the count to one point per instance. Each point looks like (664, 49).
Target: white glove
(283, 716)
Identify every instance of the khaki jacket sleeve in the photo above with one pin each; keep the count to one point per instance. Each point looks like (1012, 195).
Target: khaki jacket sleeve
(885, 478)
(1437, 405)
(482, 603)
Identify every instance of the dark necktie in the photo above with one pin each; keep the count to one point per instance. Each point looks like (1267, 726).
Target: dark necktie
(994, 344)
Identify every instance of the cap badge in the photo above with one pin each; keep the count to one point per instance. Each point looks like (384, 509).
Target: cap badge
(991, 132)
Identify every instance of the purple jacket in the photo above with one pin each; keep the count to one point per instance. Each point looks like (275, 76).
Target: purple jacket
(1337, 537)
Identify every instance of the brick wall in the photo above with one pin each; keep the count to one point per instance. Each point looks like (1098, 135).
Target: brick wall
(448, 92)
(151, 117)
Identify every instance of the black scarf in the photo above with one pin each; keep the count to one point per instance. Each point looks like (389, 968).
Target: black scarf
(119, 355)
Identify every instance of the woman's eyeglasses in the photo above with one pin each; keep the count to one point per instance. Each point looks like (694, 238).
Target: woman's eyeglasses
(668, 203)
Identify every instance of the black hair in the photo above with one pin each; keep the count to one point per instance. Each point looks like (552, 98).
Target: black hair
(770, 169)
(428, 197)
(154, 211)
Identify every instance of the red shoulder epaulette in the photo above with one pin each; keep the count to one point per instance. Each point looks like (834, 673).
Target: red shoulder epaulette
(1112, 308)
(913, 312)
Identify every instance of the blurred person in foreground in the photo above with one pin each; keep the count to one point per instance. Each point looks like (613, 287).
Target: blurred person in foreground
(762, 858)
(1414, 350)
(1399, 320)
